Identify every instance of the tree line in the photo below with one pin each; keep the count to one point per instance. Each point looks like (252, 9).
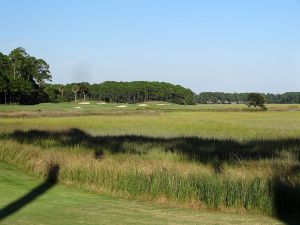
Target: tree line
(121, 92)
(141, 91)
(24, 79)
(242, 98)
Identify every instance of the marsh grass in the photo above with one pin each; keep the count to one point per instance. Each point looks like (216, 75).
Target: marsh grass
(71, 206)
(236, 161)
(174, 179)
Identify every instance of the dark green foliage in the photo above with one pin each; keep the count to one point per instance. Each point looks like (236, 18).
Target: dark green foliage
(22, 78)
(127, 92)
(23, 81)
(241, 98)
(52, 93)
(221, 98)
(256, 100)
(140, 91)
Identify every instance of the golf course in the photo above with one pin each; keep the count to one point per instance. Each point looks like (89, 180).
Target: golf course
(150, 112)
(159, 163)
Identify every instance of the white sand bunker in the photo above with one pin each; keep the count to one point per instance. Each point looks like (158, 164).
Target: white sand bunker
(84, 103)
(121, 106)
(162, 104)
(77, 107)
(101, 103)
(142, 105)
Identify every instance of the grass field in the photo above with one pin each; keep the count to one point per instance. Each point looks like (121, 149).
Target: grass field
(71, 108)
(66, 206)
(205, 157)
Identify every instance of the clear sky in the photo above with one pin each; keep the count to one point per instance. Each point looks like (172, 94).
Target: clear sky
(212, 45)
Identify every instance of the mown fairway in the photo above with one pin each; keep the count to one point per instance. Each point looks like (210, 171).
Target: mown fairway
(68, 206)
(80, 108)
(212, 157)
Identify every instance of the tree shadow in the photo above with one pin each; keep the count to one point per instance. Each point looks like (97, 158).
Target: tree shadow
(33, 194)
(286, 196)
(193, 148)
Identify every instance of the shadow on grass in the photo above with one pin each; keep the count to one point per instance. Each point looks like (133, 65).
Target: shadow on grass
(286, 195)
(193, 148)
(32, 195)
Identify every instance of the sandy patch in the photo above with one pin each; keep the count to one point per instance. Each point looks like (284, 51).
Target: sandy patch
(84, 103)
(77, 107)
(121, 106)
(162, 104)
(101, 103)
(142, 105)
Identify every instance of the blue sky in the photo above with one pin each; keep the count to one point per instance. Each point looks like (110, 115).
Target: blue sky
(213, 45)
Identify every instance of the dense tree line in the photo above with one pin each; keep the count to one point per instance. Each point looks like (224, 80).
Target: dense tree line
(129, 92)
(241, 98)
(22, 78)
(23, 81)
(286, 98)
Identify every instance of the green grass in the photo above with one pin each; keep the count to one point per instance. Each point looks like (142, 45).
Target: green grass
(69, 106)
(246, 186)
(230, 125)
(94, 107)
(65, 206)
(224, 159)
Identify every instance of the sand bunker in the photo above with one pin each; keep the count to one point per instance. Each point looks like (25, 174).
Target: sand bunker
(84, 103)
(162, 104)
(77, 107)
(142, 105)
(121, 106)
(101, 103)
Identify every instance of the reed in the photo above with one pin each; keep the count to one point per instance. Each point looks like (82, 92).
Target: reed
(207, 188)
(237, 161)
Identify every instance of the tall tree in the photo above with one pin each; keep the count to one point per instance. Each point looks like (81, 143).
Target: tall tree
(75, 90)
(42, 73)
(18, 57)
(61, 89)
(3, 87)
(23, 77)
(4, 76)
(84, 89)
(256, 100)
